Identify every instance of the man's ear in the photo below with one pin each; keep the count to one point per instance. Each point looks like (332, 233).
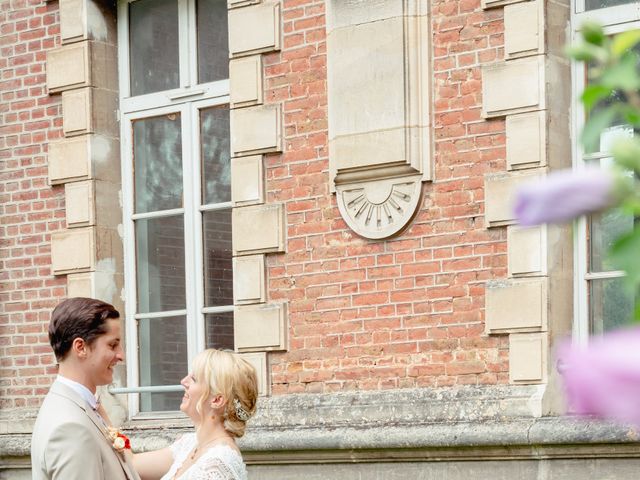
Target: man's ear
(79, 347)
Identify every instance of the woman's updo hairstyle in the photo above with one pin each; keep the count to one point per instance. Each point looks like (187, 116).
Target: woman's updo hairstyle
(228, 374)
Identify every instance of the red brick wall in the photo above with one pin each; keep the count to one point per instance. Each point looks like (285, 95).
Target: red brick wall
(30, 210)
(363, 314)
(405, 312)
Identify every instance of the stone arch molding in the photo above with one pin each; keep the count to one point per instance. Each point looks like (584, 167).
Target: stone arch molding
(379, 111)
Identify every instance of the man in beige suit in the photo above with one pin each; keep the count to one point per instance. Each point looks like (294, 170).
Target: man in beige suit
(70, 438)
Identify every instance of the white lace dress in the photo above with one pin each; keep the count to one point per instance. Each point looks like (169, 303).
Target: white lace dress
(219, 462)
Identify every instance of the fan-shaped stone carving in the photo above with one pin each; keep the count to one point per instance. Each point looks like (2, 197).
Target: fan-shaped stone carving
(381, 208)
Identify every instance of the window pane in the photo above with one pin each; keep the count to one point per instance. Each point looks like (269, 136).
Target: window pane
(604, 228)
(163, 360)
(157, 153)
(213, 43)
(218, 279)
(160, 264)
(595, 4)
(620, 126)
(153, 46)
(611, 305)
(219, 330)
(216, 164)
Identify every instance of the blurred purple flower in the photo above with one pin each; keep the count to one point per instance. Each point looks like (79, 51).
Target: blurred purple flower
(603, 378)
(564, 195)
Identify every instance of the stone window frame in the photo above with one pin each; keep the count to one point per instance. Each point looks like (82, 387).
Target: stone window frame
(615, 20)
(188, 99)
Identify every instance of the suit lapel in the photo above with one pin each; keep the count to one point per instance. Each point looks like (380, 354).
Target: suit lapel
(61, 389)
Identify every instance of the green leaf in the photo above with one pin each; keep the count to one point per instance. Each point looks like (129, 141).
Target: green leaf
(594, 126)
(592, 32)
(630, 114)
(622, 75)
(626, 152)
(593, 94)
(625, 41)
(624, 254)
(636, 313)
(585, 52)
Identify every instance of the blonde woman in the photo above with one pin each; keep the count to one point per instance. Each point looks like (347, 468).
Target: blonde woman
(220, 396)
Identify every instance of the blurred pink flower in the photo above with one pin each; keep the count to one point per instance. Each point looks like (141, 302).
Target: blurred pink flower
(603, 378)
(564, 195)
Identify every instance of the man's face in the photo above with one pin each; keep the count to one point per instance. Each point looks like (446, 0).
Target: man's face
(103, 354)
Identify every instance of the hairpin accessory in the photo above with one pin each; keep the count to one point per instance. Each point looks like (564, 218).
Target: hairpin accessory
(241, 413)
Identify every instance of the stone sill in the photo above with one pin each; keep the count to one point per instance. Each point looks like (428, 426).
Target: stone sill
(415, 424)
(549, 437)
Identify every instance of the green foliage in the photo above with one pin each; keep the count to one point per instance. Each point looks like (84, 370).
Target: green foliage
(613, 98)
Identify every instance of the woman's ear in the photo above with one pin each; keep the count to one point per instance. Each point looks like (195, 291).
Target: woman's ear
(217, 402)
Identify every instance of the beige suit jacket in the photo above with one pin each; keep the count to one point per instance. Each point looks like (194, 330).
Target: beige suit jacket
(71, 442)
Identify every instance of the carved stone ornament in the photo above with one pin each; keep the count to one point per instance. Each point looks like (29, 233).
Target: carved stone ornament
(381, 208)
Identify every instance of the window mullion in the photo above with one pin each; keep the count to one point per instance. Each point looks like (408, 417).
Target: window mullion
(192, 38)
(189, 152)
(129, 262)
(124, 73)
(184, 46)
(197, 220)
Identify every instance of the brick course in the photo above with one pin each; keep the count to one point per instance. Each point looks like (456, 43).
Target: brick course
(406, 312)
(30, 210)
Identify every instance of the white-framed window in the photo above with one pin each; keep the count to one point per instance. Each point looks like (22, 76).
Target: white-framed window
(176, 191)
(601, 302)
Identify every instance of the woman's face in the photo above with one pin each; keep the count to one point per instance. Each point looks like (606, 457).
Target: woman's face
(193, 391)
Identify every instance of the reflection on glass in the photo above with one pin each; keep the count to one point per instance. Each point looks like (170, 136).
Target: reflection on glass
(163, 360)
(153, 46)
(595, 4)
(219, 330)
(157, 154)
(604, 228)
(611, 305)
(213, 43)
(216, 164)
(218, 270)
(160, 264)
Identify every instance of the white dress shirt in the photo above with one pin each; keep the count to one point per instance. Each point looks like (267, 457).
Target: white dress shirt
(81, 390)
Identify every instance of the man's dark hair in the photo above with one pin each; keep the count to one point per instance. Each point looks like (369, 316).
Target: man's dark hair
(78, 318)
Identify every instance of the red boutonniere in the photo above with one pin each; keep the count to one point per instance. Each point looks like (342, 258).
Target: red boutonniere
(120, 441)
